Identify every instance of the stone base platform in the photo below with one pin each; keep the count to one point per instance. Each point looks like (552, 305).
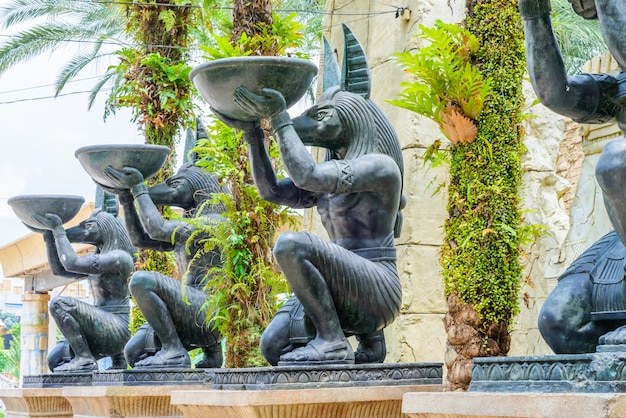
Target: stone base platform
(348, 402)
(153, 377)
(332, 376)
(364, 391)
(49, 403)
(602, 372)
(514, 405)
(57, 380)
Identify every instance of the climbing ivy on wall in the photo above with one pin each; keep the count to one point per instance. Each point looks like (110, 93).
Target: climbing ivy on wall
(483, 233)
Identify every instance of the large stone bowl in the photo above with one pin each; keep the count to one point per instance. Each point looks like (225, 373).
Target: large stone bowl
(146, 158)
(217, 80)
(64, 206)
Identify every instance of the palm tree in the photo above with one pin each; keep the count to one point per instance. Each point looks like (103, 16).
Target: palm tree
(579, 39)
(55, 24)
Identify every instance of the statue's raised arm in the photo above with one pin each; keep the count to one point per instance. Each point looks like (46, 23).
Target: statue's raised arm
(612, 17)
(587, 309)
(580, 97)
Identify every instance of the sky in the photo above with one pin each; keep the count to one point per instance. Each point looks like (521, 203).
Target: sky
(38, 137)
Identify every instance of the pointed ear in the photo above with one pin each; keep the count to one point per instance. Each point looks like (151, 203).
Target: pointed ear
(107, 202)
(332, 74)
(356, 77)
(191, 138)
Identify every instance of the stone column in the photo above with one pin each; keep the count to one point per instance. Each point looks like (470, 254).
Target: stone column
(34, 341)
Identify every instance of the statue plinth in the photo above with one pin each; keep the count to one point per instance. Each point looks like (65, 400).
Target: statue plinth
(601, 372)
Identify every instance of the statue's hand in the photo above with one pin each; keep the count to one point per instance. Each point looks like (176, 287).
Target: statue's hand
(262, 107)
(53, 220)
(33, 229)
(242, 125)
(125, 178)
(50, 221)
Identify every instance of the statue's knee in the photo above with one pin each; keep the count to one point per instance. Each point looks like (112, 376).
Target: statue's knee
(60, 306)
(269, 349)
(548, 321)
(290, 245)
(140, 282)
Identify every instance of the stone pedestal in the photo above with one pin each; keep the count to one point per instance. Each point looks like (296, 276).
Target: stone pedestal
(361, 402)
(602, 372)
(123, 401)
(514, 405)
(34, 344)
(363, 391)
(32, 403)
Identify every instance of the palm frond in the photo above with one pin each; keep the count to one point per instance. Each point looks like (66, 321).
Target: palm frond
(579, 39)
(21, 11)
(75, 66)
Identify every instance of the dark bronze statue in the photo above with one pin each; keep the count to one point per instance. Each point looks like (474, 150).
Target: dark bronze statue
(175, 319)
(91, 331)
(588, 306)
(350, 285)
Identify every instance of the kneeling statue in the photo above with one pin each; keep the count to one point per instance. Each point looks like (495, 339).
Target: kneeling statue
(93, 331)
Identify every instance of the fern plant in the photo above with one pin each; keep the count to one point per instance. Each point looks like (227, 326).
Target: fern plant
(446, 87)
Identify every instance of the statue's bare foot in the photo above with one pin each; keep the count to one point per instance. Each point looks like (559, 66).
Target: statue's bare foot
(371, 349)
(165, 360)
(616, 337)
(319, 352)
(78, 365)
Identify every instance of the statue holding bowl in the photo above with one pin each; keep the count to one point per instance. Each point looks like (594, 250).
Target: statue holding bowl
(348, 285)
(175, 319)
(587, 309)
(90, 332)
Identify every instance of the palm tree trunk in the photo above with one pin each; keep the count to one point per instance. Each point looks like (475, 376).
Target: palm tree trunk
(250, 17)
(467, 337)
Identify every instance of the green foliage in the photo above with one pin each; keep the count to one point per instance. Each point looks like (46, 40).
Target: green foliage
(443, 74)
(481, 255)
(284, 37)
(47, 25)
(478, 70)
(579, 39)
(158, 91)
(9, 319)
(10, 359)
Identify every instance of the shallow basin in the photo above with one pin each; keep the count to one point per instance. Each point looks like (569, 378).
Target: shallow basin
(64, 206)
(217, 80)
(146, 158)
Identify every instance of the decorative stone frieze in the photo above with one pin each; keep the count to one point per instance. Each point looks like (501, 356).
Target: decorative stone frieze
(332, 376)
